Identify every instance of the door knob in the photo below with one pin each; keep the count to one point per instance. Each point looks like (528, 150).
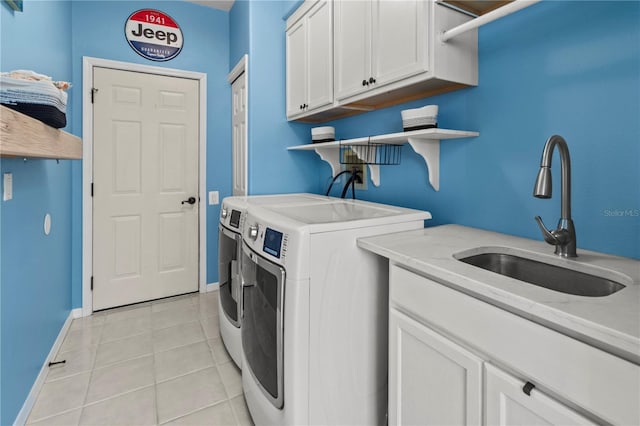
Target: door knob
(190, 200)
(372, 80)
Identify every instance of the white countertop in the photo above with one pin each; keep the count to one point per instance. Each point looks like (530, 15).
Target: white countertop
(611, 323)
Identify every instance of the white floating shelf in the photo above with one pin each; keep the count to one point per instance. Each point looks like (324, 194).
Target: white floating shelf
(425, 142)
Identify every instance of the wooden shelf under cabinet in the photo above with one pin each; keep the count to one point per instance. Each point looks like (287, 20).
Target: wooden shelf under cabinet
(24, 136)
(478, 7)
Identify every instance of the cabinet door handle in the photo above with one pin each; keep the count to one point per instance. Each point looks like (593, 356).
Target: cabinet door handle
(365, 83)
(372, 80)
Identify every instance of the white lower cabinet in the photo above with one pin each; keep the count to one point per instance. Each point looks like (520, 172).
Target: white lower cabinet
(453, 360)
(507, 404)
(432, 381)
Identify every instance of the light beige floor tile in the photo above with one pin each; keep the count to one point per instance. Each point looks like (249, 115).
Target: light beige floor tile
(87, 322)
(81, 338)
(116, 330)
(220, 354)
(60, 396)
(241, 411)
(70, 418)
(128, 312)
(180, 335)
(231, 377)
(77, 361)
(172, 317)
(171, 303)
(120, 378)
(136, 408)
(121, 350)
(207, 305)
(220, 415)
(211, 327)
(189, 393)
(183, 360)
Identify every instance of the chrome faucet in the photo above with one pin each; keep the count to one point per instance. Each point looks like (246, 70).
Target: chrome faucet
(564, 236)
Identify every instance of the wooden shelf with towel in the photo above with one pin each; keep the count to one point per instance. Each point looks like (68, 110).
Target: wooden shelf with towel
(24, 136)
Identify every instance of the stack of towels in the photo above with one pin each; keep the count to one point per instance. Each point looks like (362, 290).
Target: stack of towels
(36, 95)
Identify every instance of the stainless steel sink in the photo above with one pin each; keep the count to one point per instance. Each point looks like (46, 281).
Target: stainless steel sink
(544, 275)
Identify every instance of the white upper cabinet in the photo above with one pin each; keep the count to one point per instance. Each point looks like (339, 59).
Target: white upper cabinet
(296, 68)
(352, 47)
(399, 38)
(378, 42)
(350, 56)
(309, 58)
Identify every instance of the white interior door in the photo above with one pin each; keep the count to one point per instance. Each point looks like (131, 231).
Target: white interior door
(239, 124)
(145, 166)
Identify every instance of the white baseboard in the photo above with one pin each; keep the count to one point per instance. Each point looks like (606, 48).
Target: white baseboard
(212, 287)
(23, 415)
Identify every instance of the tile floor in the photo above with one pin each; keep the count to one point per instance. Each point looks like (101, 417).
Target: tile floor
(160, 362)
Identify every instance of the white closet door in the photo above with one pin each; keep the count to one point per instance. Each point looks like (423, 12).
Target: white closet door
(145, 158)
(239, 125)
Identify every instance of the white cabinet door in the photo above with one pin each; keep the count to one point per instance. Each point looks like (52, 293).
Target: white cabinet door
(508, 405)
(399, 33)
(296, 68)
(320, 56)
(352, 47)
(432, 381)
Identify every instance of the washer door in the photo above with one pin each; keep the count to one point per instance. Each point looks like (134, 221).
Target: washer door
(262, 323)
(229, 244)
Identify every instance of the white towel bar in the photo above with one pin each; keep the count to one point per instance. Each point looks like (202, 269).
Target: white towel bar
(486, 18)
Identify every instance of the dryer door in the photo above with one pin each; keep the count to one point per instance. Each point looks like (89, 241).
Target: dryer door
(228, 250)
(262, 322)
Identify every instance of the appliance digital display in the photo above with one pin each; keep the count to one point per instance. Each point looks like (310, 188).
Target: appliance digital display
(272, 242)
(235, 218)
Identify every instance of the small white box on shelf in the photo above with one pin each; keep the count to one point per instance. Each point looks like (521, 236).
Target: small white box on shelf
(425, 117)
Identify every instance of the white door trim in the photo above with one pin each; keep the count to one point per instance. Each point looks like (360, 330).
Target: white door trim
(243, 66)
(88, 63)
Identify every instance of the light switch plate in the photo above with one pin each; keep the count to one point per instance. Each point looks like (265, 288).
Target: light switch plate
(214, 198)
(8, 187)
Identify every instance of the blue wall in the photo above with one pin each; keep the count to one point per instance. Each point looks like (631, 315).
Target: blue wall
(564, 67)
(35, 269)
(238, 31)
(272, 169)
(206, 49)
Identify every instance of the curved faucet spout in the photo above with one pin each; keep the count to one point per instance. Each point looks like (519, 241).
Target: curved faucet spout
(564, 237)
(542, 188)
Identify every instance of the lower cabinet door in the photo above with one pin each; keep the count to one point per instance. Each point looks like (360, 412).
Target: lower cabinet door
(508, 404)
(432, 381)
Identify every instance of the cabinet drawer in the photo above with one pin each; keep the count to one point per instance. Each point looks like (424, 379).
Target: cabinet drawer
(507, 404)
(601, 383)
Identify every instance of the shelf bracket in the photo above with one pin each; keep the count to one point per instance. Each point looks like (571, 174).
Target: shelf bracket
(332, 156)
(429, 150)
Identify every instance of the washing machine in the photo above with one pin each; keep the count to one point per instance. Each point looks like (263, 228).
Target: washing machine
(232, 217)
(315, 312)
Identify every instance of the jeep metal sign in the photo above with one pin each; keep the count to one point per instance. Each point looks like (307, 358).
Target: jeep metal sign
(153, 35)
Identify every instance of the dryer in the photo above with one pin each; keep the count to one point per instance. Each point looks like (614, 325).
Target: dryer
(232, 217)
(315, 312)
